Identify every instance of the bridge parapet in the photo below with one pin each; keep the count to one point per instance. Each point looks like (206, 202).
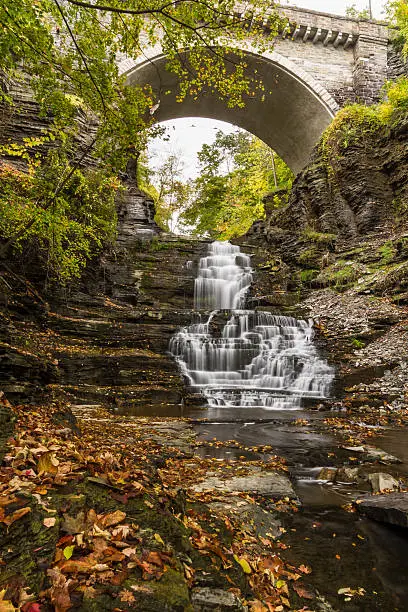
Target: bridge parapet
(346, 56)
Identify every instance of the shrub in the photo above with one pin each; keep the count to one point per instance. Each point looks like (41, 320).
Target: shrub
(63, 232)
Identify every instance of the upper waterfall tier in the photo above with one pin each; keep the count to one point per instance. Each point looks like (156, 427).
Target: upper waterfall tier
(224, 277)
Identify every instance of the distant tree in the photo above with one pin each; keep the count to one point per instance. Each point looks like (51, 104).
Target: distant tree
(170, 192)
(355, 13)
(397, 12)
(236, 172)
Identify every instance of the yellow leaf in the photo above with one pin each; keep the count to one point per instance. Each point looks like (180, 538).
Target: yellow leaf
(6, 606)
(244, 564)
(158, 539)
(48, 463)
(68, 551)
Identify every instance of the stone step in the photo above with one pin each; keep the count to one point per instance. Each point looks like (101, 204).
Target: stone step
(126, 398)
(119, 370)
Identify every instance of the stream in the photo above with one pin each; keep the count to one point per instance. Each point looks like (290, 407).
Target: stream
(256, 371)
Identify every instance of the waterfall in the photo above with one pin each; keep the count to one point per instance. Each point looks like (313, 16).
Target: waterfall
(255, 359)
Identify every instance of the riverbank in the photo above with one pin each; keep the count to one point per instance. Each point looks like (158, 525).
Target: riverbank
(104, 511)
(107, 512)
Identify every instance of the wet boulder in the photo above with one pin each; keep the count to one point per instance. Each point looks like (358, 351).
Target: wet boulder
(391, 508)
(347, 474)
(381, 481)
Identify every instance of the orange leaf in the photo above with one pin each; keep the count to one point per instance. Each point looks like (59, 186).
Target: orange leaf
(18, 514)
(113, 518)
(302, 591)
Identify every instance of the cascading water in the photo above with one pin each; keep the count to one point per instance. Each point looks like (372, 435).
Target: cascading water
(257, 359)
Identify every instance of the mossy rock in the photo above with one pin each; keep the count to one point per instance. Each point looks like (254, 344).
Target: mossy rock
(341, 275)
(27, 548)
(320, 238)
(307, 276)
(7, 420)
(394, 280)
(310, 257)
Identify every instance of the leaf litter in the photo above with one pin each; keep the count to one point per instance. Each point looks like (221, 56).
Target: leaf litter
(101, 551)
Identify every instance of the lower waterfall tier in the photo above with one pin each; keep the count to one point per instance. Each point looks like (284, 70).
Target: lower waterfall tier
(259, 359)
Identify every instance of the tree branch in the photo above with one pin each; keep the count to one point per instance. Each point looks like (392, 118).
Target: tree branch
(82, 55)
(175, 3)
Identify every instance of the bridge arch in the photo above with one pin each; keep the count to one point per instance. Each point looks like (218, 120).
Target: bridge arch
(290, 120)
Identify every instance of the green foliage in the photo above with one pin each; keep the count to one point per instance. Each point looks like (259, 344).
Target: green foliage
(398, 17)
(319, 237)
(66, 234)
(387, 252)
(307, 276)
(310, 257)
(353, 12)
(355, 122)
(341, 275)
(395, 105)
(351, 124)
(358, 344)
(69, 51)
(237, 171)
(171, 194)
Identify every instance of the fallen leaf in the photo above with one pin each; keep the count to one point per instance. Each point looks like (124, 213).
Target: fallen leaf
(302, 591)
(113, 518)
(244, 564)
(305, 569)
(5, 605)
(18, 514)
(49, 522)
(48, 463)
(85, 565)
(126, 596)
(158, 538)
(68, 551)
(74, 524)
(273, 563)
(155, 558)
(257, 606)
(31, 607)
(59, 593)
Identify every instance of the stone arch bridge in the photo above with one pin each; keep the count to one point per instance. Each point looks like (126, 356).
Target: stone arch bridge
(319, 63)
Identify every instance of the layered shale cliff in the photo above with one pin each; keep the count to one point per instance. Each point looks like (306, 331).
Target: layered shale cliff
(344, 199)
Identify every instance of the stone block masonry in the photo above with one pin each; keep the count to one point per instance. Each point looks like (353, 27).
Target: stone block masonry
(348, 57)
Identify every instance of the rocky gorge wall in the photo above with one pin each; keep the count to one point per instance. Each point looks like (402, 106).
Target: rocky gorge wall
(338, 202)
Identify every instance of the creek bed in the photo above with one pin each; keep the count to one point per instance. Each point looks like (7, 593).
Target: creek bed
(343, 548)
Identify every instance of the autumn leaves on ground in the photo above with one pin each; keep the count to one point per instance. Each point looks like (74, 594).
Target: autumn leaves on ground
(94, 518)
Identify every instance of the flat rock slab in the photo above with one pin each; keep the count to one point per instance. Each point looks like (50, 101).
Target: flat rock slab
(391, 508)
(263, 483)
(215, 600)
(254, 518)
(373, 454)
